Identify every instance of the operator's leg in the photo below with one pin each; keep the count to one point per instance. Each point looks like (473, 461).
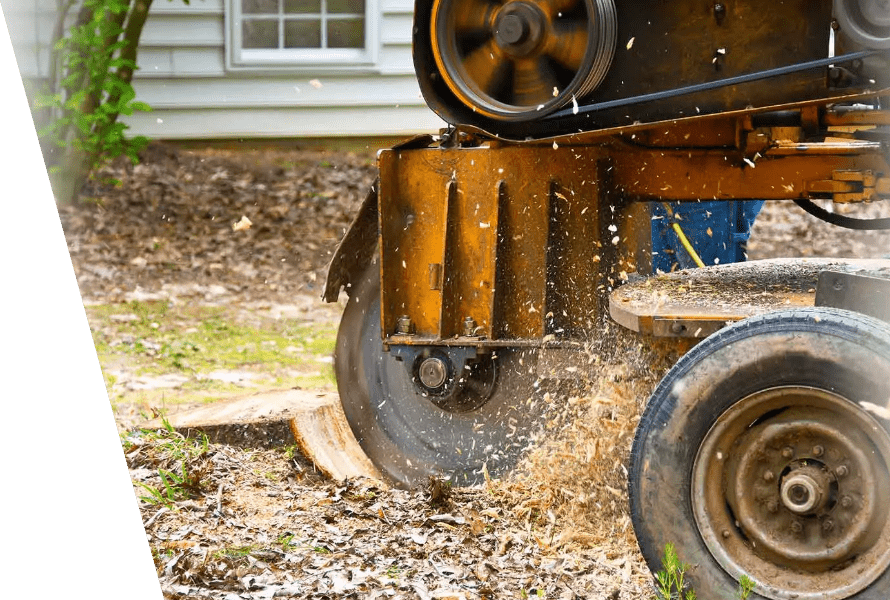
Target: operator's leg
(717, 230)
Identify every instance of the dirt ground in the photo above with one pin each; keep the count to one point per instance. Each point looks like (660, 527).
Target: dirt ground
(226, 522)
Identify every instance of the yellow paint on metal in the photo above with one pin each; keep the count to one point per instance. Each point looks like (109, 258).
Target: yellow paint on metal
(527, 239)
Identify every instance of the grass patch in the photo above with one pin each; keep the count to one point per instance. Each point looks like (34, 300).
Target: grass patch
(234, 552)
(671, 582)
(180, 462)
(205, 352)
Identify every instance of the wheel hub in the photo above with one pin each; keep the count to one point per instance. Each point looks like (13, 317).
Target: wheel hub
(519, 28)
(787, 480)
(805, 490)
(433, 372)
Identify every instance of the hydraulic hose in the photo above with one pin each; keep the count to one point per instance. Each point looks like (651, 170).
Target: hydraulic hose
(842, 220)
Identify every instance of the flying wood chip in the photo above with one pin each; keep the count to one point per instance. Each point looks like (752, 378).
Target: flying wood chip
(242, 225)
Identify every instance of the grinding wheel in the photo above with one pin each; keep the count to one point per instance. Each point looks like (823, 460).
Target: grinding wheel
(408, 435)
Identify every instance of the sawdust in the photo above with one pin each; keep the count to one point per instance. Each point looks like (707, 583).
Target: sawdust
(263, 525)
(576, 473)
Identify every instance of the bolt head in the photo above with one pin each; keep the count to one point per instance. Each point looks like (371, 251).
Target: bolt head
(846, 502)
(469, 326)
(818, 451)
(827, 525)
(511, 30)
(768, 475)
(787, 452)
(772, 506)
(725, 533)
(796, 527)
(403, 325)
(841, 471)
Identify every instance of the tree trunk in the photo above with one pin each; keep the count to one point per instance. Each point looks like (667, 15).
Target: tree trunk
(70, 164)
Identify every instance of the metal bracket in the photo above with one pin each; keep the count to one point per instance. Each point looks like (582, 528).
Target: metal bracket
(866, 292)
(852, 186)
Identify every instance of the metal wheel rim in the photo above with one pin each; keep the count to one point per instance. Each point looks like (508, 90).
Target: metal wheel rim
(748, 460)
(565, 54)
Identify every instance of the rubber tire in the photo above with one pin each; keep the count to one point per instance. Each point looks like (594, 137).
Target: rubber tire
(406, 436)
(835, 350)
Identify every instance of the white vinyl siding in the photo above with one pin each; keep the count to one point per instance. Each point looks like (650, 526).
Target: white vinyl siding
(185, 74)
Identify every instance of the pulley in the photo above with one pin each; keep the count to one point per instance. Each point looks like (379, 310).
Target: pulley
(520, 60)
(864, 22)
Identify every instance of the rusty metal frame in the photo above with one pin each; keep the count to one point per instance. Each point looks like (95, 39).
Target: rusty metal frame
(526, 239)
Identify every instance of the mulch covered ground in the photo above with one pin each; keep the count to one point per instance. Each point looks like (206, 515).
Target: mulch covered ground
(263, 524)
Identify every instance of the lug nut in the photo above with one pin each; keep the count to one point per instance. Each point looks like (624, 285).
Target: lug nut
(725, 533)
(796, 527)
(787, 452)
(768, 475)
(772, 506)
(841, 471)
(818, 451)
(827, 525)
(846, 502)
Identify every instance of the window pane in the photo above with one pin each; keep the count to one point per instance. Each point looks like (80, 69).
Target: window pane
(302, 6)
(259, 34)
(346, 33)
(354, 7)
(254, 7)
(302, 34)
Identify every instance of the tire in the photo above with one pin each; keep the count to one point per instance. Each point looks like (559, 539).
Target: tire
(764, 452)
(405, 433)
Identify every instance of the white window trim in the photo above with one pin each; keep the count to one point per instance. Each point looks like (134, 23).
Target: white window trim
(300, 59)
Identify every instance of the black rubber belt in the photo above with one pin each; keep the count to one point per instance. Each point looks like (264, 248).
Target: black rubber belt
(711, 85)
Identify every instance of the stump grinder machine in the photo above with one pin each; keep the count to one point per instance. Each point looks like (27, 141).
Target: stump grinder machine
(487, 258)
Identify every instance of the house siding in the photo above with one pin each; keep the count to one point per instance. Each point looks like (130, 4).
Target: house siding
(183, 76)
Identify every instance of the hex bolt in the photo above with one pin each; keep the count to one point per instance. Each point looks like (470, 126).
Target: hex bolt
(827, 525)
(404, 325)
(719, 12)
(725, 533)
(846, 502)
(841, 471)
(768, 475)
(469, 326)
(818, 451)
(787, 452)
(796, 527)
(772, 506)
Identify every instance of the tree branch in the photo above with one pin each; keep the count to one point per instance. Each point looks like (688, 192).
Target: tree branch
(131, 35)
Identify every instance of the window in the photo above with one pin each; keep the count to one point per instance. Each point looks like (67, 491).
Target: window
(301, 32)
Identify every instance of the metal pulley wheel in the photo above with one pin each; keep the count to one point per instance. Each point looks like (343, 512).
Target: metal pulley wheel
(865, 22)
(517, 60)
(765, 452)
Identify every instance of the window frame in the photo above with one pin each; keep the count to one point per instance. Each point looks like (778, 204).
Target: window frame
(301, 59)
